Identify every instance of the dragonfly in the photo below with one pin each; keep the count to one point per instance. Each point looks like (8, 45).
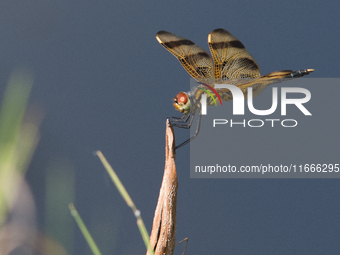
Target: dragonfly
(229, 63)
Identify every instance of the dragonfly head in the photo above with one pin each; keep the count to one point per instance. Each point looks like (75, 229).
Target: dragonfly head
(182, 102)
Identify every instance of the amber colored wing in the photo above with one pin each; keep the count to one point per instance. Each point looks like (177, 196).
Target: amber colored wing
(268, 79)
(195, 60)
(260, 83)
(231, 59)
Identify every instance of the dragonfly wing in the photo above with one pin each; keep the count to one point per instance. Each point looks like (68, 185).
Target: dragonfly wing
(258, 84)
(231, 59)
(261, 83)
(265, 80)
(195, 60)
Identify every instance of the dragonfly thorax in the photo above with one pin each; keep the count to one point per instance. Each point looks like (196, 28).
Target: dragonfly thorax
(182, 102)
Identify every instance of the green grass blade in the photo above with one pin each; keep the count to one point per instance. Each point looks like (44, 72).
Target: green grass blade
(127, 199)
(18, 137)
(84, 230)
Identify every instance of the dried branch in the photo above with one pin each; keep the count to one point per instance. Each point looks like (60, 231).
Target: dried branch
(163, 232)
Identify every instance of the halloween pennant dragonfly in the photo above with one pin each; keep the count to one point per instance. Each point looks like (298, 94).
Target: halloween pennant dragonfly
(230, 63)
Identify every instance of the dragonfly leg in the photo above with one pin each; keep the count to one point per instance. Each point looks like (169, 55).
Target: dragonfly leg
(194, 136)
(184, 118)
(186, 126)
(186, 243)
(185, 123)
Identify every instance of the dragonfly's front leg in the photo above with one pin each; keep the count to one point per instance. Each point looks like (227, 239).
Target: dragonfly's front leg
(194, 136)
(185, 122)
(182, 119)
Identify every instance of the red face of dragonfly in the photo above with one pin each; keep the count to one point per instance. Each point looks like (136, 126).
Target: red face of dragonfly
(182, 102)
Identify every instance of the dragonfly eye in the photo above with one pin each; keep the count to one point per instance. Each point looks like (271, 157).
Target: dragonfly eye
(182, 102)
(181, 98)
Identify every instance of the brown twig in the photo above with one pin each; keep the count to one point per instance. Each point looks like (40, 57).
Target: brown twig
(163, 232)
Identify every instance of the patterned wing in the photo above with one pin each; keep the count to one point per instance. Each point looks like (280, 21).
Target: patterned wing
(265, 80)
(258, 84)
(195, 60)
(232, 60)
